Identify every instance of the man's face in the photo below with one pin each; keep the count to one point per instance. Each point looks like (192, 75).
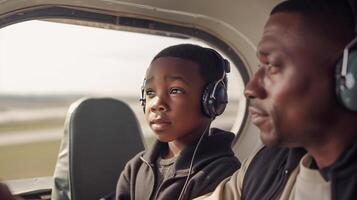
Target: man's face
(292, 93)
(173, 99)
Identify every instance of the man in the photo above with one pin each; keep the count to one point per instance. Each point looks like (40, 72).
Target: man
(310, 142)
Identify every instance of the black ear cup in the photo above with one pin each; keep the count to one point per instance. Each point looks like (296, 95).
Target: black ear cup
(214, 99)
(346, 70)
(143, 103)
(346, 83)
(142, 96)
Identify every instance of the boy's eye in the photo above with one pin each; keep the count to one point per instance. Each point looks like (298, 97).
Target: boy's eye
(176, 91)
(149, 93)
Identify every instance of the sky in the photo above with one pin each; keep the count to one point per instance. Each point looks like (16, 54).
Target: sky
(39, 57)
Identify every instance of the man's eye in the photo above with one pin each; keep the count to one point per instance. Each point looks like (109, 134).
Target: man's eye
(272, 68)
(269, 68)
(176, 91)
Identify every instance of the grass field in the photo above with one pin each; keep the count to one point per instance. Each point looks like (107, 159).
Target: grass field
(31, 125)
(28, 160)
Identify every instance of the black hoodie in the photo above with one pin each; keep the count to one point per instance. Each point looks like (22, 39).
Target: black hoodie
(214, 162)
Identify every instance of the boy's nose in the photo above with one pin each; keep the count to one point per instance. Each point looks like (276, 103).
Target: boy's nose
(255, 87)
(158, 105)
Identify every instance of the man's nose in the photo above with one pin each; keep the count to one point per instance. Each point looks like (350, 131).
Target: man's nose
(159, 104)
(255, 86)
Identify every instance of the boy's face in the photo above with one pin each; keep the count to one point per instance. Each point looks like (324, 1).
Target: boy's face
(173, 99)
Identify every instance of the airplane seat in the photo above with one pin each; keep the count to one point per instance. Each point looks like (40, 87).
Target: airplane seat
(101, 135)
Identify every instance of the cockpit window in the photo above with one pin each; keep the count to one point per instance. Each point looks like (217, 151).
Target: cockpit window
(45, 66)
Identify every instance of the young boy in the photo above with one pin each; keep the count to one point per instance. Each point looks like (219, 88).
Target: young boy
(183, 91)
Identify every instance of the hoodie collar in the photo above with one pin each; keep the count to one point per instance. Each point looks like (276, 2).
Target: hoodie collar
(346, 162)
(216, 143)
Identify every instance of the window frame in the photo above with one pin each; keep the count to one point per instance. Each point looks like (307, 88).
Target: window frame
(96, 18)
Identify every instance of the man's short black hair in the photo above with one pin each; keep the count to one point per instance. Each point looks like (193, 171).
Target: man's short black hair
(209, 61)
(308, 6)
(330, 9)
(335, 18)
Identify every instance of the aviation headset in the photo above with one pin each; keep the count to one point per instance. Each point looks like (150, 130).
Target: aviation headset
(214, 98)
(346, 70)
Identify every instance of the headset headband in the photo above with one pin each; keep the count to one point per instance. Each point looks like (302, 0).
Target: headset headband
(353, 6)
(344, 68)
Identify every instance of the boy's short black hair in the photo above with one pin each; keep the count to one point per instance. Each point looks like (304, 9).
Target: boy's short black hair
(208, 59)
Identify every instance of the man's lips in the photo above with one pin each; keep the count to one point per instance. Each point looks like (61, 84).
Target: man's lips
(258, 115)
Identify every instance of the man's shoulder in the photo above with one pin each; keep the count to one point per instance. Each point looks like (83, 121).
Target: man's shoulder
(270, 158)
(268, 169)
(263, 160)
(289, 156)
(269, 153)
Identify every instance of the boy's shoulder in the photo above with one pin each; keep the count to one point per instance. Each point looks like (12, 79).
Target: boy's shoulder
(148, 155)
(220, 138)
(222, 153)
(136, 158)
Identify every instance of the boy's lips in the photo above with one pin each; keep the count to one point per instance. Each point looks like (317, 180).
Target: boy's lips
(160, 124)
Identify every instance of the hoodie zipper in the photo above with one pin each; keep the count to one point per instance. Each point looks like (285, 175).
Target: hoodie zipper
(161, 185)
(277, 192)
(152, 170)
